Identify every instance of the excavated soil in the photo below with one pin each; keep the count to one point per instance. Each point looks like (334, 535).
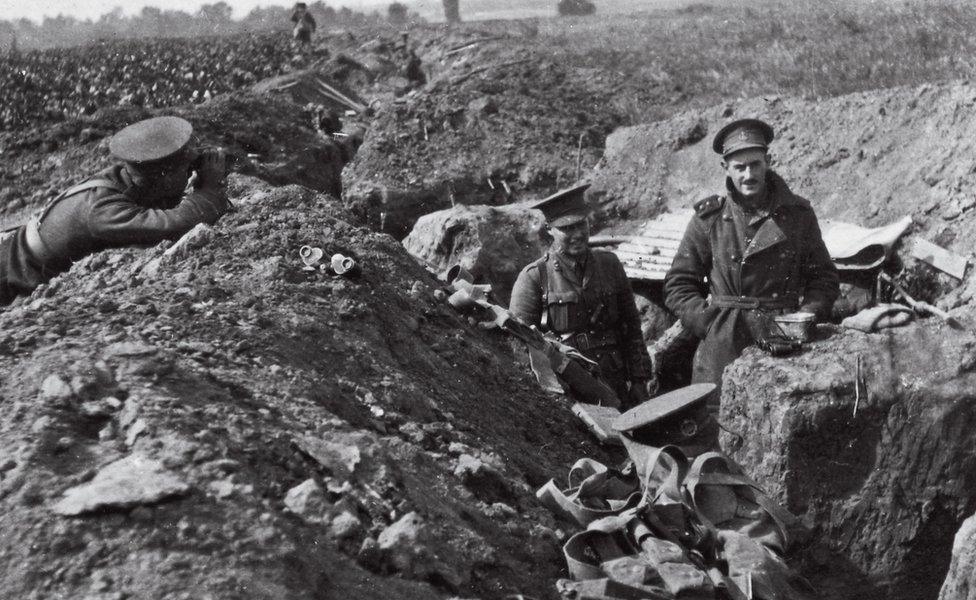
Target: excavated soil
(242, 376)
(226, 366)
(501, 119)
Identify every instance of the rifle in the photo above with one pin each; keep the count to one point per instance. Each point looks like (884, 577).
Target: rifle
(566, 361)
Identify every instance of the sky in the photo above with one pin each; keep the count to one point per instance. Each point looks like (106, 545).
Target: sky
(85, 9)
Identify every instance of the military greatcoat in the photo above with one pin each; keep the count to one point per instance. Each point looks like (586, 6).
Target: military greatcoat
(729, 263)
(591, 308)
(109, 214)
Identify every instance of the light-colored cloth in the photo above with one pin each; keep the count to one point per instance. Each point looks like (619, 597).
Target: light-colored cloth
(879, 317)
(855, 247)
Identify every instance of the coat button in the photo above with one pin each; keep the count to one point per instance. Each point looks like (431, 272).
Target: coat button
(775, 295)
(734, 257)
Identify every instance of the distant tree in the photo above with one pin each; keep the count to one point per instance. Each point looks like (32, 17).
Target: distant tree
(452, 11)
(217, 18)
(151, 22)
(397, 13)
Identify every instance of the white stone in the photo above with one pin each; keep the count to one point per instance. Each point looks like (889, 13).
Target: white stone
(130, 481)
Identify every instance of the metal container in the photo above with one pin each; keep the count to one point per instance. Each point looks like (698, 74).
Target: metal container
(797, 325)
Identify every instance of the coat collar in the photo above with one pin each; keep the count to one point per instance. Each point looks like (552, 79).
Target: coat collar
(567, 266)
(769, 233)
(780, 194)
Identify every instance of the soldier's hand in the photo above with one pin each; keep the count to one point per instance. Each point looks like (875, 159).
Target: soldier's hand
(212, 169)
(638, 392)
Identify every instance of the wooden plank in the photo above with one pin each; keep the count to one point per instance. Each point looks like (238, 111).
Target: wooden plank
(645, 274)
(598, 419)
(651, 243)
(940, 258)
(660, 232)
(642, 257)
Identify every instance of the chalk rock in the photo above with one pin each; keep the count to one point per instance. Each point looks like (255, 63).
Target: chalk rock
(308, 501)
(55, 388)
(493, 243)
(847, 452)
(199, 236)
(484, 481)
(340, 454)
(130, 481)
(960, 584)
(345, 526)
(405, 547)
(129, 350)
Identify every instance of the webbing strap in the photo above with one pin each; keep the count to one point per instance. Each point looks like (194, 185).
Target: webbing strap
(33, 234)
(783, 518)
(589, 479)
(98, 182)
(754, 302)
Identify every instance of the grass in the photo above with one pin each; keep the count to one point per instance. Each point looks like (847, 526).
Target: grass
(706, 53)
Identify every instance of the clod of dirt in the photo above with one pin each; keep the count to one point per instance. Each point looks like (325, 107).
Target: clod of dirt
(492, 243)
(882, 465)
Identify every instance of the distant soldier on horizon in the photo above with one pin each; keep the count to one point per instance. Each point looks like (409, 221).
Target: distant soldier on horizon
(138, 202)
(304, 24)
(452, 11)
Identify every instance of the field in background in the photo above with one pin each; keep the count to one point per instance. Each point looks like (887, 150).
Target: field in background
(810, 49)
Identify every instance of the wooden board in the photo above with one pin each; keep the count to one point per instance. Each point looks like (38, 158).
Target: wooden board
(940, 258)
(598, 419)
(643, 257)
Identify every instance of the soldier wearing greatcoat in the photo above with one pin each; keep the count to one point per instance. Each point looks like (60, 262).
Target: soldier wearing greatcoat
(751, 251)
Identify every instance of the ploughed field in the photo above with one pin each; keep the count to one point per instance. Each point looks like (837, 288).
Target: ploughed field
(295, 435)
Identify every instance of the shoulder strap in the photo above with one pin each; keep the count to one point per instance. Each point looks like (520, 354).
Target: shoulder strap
(708, 206)
(544, 286)
(77, 189)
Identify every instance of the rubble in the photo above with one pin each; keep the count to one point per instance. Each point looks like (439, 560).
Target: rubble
(308, 501)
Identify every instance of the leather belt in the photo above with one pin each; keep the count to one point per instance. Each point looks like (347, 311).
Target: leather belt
(590, 340)
(788, 302)
(34, 242)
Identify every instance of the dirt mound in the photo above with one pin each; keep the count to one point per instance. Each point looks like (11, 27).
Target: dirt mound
(881, 466)
(500, 120)
(267, 136)
(234, 376)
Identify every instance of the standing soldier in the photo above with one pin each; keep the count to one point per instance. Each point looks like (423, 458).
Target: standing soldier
(139, 202)
(304, 24)
(752, 250)
(583, 296)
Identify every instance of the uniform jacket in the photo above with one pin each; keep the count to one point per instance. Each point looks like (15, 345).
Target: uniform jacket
(599, 305)
(781, 257)
(81, 224)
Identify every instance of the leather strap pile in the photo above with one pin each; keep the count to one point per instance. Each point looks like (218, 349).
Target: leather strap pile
(664, 527)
